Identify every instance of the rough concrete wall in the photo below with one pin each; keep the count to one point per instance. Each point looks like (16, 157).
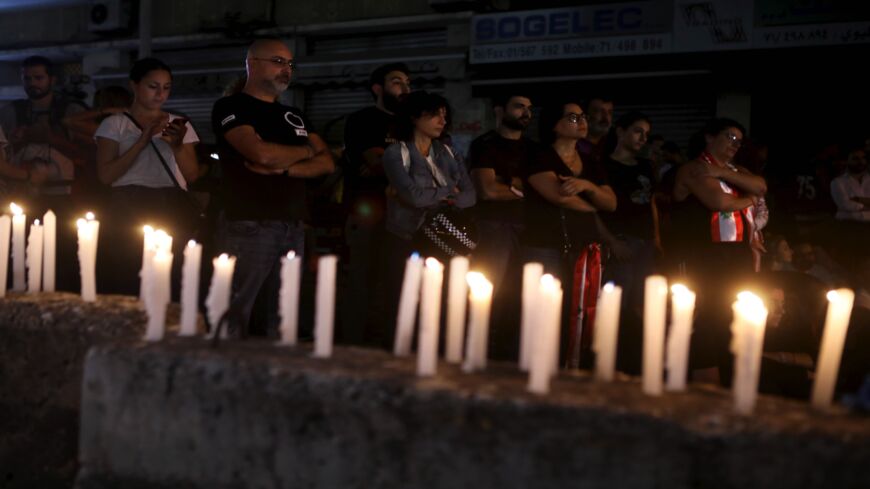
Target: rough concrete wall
(43, 342)
(252, 415)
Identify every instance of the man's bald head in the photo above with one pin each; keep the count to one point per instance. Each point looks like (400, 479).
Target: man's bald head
(268, 66)
(264, 48)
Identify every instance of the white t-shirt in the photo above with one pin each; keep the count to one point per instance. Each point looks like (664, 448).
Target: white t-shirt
(147, 170)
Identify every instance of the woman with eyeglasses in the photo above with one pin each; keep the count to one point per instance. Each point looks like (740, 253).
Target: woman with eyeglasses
(563, 193)
(147, 156)
(713, 227)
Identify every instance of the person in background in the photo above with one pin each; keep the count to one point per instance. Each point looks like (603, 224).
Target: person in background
(147, 156)
(367, 133)
(424, 175)
(712, 201)
(599, 114)
(267, 153)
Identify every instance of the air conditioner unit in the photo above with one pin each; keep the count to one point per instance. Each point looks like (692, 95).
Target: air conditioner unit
(109, 15)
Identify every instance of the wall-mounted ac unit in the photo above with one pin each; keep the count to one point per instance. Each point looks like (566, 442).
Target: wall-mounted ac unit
(109, 15)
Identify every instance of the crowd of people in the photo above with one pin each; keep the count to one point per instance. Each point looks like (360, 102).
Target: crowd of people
(591, 198)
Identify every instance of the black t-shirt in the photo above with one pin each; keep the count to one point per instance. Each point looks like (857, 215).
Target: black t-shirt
(633, 186)
(366, 129)
(508, 157)
(543, 220)
(249, 195)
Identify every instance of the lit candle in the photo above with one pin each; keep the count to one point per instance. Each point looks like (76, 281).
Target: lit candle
(532, 273)
(655, 310)
(682, 311)
(218, 300)
(840, 303)
(291, 273)
(457, 301)
(5, 230)
(478, 322)
(49, 250)
(324, 315)
(34, 257)
(19, 222)
(408, 301)
(190, 288)
(747, 343)
(544, 346)
(430, 318)
(606, 331)
(88, 235)
(156, 241)
(147, 255)
(157, 297)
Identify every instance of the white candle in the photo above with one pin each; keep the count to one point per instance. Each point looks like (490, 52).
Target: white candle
(5, 231)
(478, 322)
(544, 345)
(147, 256)
(19, 222)
(655, 310)
(457, 301)
(840, 303)
(34, 257)
(291, 274)
(747, 343)
(682, 312)
(606, 331)
(430, 318)
(532, 273)
(218, 300)
(157, 297)
(88, 235)
(190, 288)
(408, 301)
(324, 314)
(49, 251)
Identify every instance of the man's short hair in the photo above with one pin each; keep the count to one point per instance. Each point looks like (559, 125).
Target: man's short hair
(501, 99)
(38, 61)
(379, 76)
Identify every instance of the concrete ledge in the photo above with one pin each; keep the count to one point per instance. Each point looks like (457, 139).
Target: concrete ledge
(43, 341)
(181, 414)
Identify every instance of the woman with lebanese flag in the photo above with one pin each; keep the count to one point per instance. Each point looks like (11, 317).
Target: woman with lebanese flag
(714, 235)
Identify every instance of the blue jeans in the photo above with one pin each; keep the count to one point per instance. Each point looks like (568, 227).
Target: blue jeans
(258, 247)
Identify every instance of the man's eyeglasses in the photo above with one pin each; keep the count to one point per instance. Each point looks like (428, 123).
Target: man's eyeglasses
(734, 140)
(575, 118)
(277, 60)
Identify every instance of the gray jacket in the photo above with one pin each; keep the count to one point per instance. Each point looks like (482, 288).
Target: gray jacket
(416, 188)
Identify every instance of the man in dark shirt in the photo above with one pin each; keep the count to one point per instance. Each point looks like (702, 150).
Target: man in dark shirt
(496, 160)
(599, 113)
(366, 134)
(267, 150)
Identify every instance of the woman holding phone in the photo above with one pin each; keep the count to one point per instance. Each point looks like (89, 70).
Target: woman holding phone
(147, 156)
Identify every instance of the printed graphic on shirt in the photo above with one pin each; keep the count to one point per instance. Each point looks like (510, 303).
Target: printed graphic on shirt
(228, 119)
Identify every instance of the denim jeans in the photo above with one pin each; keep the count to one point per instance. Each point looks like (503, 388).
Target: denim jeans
(258, 247)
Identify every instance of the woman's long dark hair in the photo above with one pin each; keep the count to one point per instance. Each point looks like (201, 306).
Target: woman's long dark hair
(416, 105)
(147, 65)
(550, 116)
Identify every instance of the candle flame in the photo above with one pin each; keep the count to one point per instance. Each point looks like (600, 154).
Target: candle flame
(191, 244)
(16, 209)
(36, 222)
(80, 223)
(751, 305)
(833, 296)
(682, 294)
(433, 263)
(147, 229)
(608, 287)
(550, 283)
(415, 256)
(291, 255)
(90, 216)
(224, 258)
(480, 286)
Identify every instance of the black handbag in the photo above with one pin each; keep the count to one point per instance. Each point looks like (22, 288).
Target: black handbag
(447, 231)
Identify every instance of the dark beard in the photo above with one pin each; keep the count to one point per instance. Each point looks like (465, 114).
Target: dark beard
(515, 124)
(391, 102)
(36, 95)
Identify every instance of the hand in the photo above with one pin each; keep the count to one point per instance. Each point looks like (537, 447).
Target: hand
(517, 183)
(174, 133)
(155, 128)
(573, 186)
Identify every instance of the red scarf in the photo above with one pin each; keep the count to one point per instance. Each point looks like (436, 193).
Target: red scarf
(584, 297)
(727, 227)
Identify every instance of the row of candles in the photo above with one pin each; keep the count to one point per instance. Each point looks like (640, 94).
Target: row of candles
(469, 295)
